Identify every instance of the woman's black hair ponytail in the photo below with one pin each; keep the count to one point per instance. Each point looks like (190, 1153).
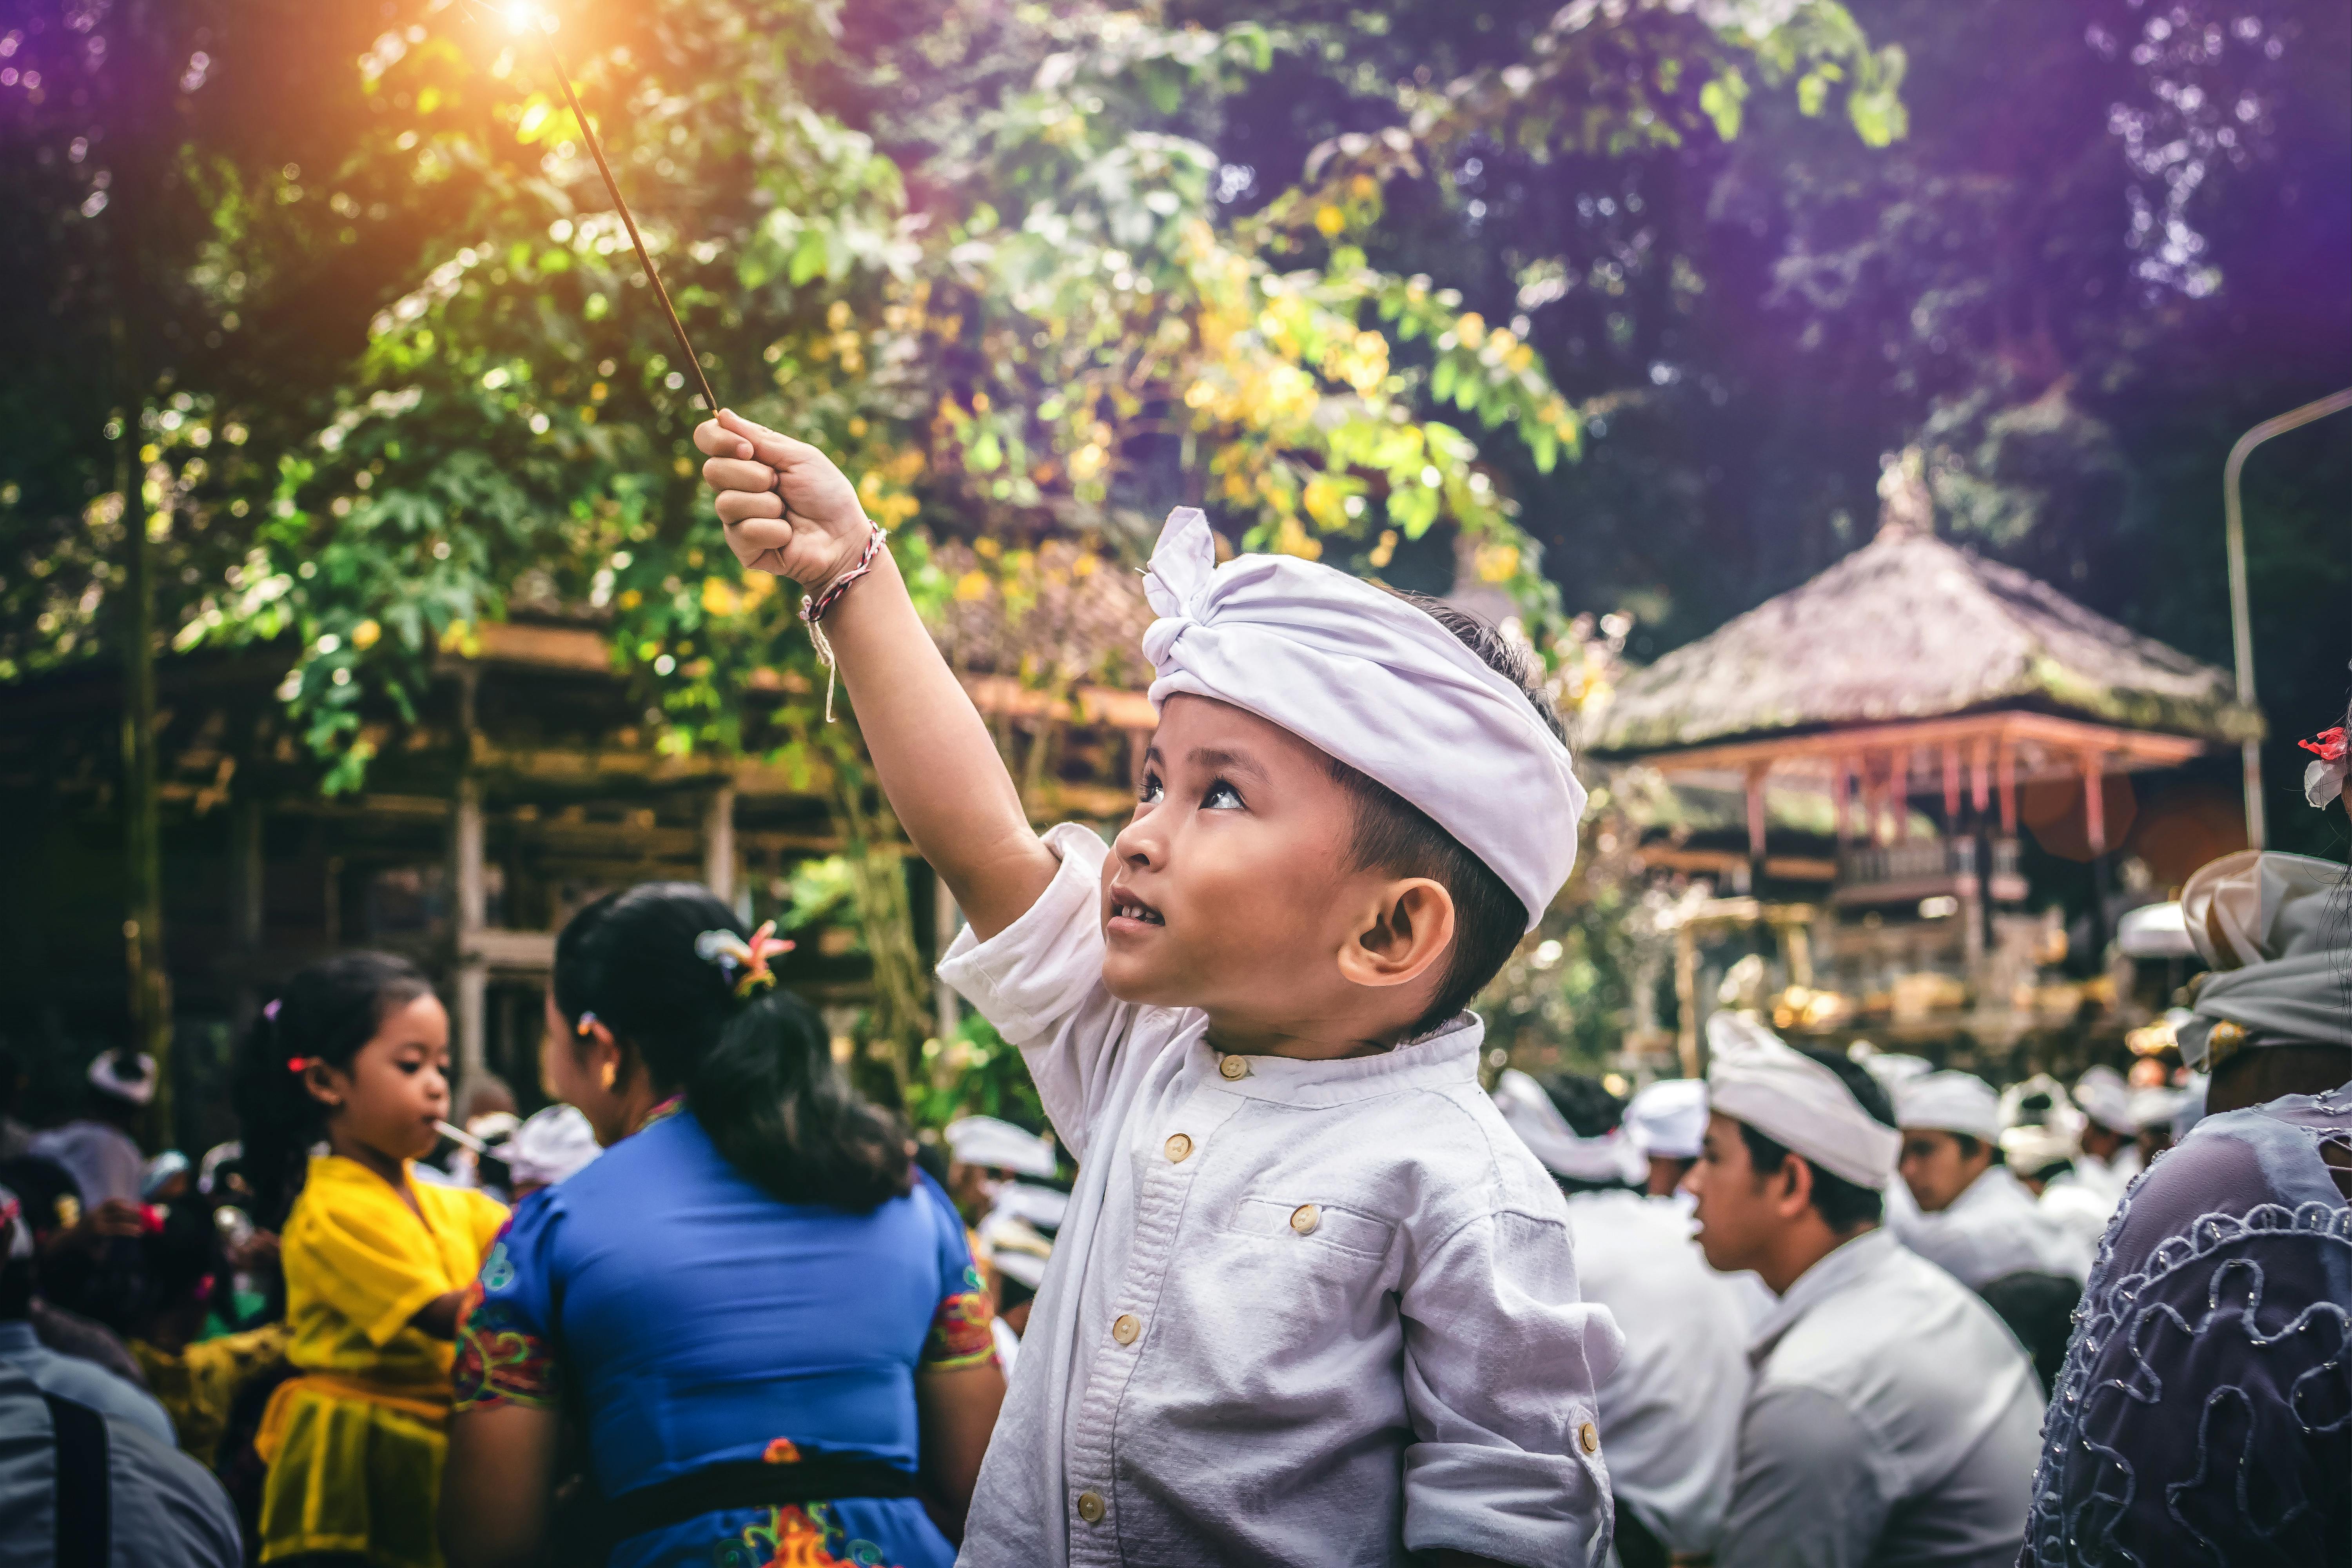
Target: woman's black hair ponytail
(759, 1074)
(326, 1012)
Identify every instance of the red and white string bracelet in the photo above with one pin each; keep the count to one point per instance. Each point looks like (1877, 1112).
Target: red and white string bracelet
(812, 610)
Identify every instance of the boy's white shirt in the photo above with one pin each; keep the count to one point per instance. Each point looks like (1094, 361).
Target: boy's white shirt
(1405, 1367)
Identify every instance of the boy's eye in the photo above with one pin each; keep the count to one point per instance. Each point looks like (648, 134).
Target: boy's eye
(1149, 792)
(1222, 797)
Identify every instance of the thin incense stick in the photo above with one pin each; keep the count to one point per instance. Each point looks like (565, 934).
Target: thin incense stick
(459, 1135)
(596, 148)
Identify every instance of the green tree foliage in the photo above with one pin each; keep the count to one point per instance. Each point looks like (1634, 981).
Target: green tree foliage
(988, 267)
(2106, 240)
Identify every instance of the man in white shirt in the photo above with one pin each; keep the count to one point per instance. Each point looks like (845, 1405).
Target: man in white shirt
(1666, 1119)
(2111, 1155)
(1974, 1216)
(1893, 1420)
(1671, 1410)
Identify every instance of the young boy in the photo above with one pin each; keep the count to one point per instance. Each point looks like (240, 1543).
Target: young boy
(1314, 1302)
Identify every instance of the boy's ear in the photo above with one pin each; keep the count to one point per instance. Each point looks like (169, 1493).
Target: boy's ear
(1409, 931)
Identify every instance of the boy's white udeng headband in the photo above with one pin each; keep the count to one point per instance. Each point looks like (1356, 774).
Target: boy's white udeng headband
(1796, 1102)
(1374, 682)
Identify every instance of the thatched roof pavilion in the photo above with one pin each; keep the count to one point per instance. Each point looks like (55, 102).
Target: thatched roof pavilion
(1914, 667)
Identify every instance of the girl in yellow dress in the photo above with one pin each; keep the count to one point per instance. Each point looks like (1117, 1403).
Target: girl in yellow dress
(355, 1055)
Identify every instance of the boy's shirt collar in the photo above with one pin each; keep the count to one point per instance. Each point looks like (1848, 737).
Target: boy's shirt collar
(1445, 1060)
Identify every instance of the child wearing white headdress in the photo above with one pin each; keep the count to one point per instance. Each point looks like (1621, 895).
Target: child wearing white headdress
(1313, 1301)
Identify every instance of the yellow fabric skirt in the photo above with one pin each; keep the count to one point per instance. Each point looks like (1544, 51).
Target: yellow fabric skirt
(353, 1466)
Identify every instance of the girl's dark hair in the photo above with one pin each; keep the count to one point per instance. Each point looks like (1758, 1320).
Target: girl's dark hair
(759, 1075)
(328, 1010)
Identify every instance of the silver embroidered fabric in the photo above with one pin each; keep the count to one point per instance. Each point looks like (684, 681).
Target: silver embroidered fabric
(2204, 1414)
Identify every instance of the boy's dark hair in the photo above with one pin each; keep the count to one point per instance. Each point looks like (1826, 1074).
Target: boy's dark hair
(1843, 1205)
(1395, 836)
(1969, 1143)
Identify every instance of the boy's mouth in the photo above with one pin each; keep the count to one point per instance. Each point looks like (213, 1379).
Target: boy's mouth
(1128, 907)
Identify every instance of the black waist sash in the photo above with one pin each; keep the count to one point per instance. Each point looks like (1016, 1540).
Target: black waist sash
(750, 1483)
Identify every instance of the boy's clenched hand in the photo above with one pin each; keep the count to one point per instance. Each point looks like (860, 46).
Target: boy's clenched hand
(787, 509)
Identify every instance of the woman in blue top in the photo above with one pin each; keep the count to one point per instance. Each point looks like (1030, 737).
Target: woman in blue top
(767, 1321)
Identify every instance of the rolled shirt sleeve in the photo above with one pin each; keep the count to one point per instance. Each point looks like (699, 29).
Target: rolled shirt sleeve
(1501, 1363)
(1809, 1493)
(1039, 982)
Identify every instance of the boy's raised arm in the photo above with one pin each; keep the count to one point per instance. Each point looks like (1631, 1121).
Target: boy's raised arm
(788, 511)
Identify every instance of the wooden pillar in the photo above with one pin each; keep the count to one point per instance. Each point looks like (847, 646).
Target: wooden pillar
(472, 980)
(2094, 804)
(1756, 827)
(247, 909)
(1840, 799)
(1687, 1001)
(719, 842)
(1980, 776)
(1951, 789)
(2008, 774)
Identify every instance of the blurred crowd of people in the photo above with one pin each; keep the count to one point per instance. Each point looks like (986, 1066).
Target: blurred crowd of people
(1868, 1306)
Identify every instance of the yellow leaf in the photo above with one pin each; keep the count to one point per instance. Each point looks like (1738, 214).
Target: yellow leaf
(1330, 220)
(719, 597)
(972, 586)
(364, 635)
(1472, 328)
(630, 599)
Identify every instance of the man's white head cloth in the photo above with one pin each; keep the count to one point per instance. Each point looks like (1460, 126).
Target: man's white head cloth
(1368, 679)
(986, 1140)
(1668, 1118)
(1564, 1151)
(1795, 1102)
(2105, 1099)
(1949, 1103)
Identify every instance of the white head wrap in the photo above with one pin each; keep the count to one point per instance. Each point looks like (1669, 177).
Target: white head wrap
(2160, 1105)
(14, 1228)
(2279, 929)
(2044, 1135)
(125, 1075)
(1949, 1103)
(1668, 1118)
(1379, 685)
(1014, 1248)
(1891, 1068)
(553, 1144)
(1042, 1208)
(160, 1170)
(1611, 1157)
(2105, 1099)
(219, 1154)
(986, 1140)
(1752, 1076)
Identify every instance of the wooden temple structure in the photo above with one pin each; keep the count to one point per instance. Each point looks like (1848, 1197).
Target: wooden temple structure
(1905, 701)
(529, 783)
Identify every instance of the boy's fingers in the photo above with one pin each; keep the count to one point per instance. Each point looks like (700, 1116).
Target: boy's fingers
(745, 506)
(753, 538)
(717, 441)
(735, 474)
(773, 448)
